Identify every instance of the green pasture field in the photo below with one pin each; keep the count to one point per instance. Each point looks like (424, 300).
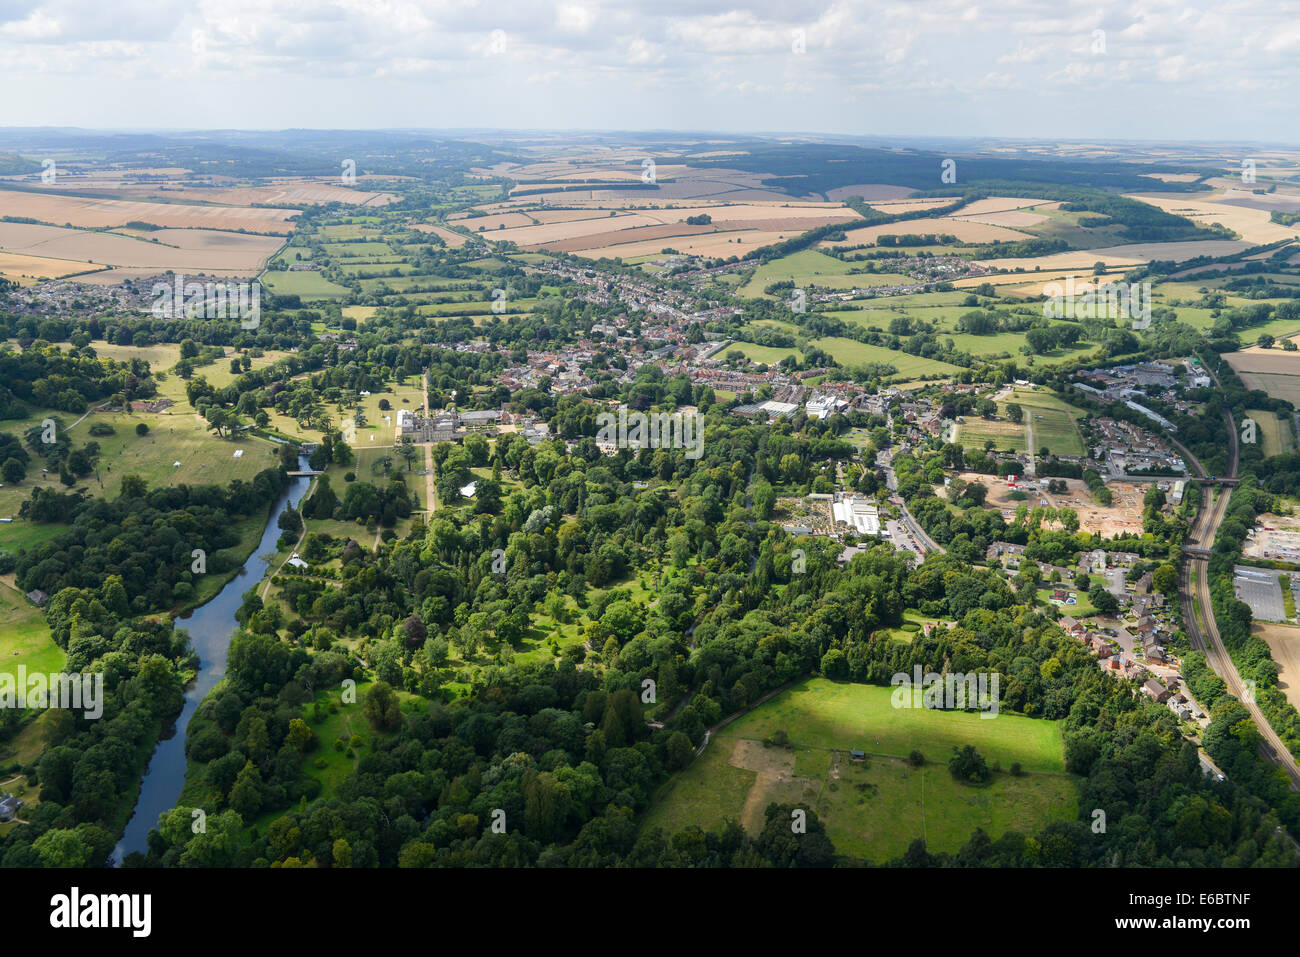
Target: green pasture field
(25, 638)
(307, 284)
(1055, 421)
(873, 809)
(769, 355)
(172, 437)
(975, 431)
(851, 352)
(1276, 435)
(807, 265)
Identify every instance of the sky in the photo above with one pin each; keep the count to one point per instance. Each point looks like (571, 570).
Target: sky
(1134, 70)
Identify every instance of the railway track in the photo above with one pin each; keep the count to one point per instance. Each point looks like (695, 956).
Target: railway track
(1205, 637)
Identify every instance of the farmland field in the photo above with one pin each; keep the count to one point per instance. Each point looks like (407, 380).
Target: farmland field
(307, 284)
(851, 352)
(1284, 643)
(1276, 435)
(975, 431)
(1275, 372)
(876, 808)
(801, 267)
(1053, 420)
(183, 250)
(765, 354)
(27, 269)
(97, 213)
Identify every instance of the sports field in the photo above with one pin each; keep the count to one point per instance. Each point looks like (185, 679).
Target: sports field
(872, 809)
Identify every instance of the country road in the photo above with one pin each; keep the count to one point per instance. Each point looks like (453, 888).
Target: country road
(430, 502)
(908, 519)
(1031, 469)
(1207, 639)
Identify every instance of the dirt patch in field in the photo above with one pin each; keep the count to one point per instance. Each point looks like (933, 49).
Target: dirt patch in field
(756, 756)
(774, 780)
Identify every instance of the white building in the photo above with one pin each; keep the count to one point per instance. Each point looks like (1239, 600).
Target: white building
(821, 406)
(858, 512)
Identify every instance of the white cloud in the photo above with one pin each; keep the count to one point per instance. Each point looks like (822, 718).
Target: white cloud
(916, 66)
(36, 26)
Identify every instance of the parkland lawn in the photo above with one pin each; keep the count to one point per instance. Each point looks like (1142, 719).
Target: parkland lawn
(873, 809)
(25, 637)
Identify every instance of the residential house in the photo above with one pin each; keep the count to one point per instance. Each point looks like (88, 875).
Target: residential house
(1155, 690)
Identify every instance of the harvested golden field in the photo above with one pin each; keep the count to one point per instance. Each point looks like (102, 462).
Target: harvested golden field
(1003, 204)
(113, 177)
(622, 236)
(292, 192)
(193, 250)
(1012, 219)
(533, 236)
(966, 231)
(1174, 177)
(98, 213)
(547, 216)
(1129, 254)
(452, 238)
(600, 182)
(1258, 359)
(603, 226)
(494, 221)
(1252, 225)
(1273, 371)
(1029, 283)
(1279, 385)
(27, 269)
(807, 214)
(871, 192)
(1284, 642)
(706, 244)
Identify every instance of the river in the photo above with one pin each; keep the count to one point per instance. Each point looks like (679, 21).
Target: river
(210, 627)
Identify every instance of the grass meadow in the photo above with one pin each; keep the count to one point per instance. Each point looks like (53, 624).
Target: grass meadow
(873, 809)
